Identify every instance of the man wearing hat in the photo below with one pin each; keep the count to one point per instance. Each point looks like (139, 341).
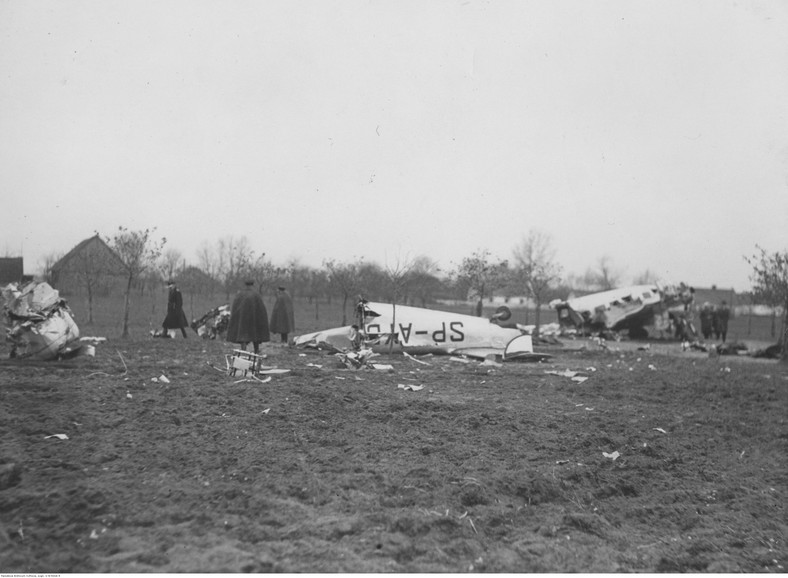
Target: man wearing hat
(248, 319)
(282, 315)
(176, 318)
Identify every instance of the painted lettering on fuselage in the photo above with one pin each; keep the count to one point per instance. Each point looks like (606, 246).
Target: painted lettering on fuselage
(453, 332)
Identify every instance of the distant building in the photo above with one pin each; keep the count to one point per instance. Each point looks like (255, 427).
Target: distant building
(11, 270)
(195, 280)
(715, 296)
(90, 265)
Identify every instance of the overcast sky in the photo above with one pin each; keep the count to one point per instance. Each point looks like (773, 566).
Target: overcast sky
(653, 133)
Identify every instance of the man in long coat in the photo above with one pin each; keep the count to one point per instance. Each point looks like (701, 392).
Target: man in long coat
(176, 318)
(723, 314)
(248, 319)
(282, 315)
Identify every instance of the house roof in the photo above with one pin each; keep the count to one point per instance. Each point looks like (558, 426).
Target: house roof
(64, 261)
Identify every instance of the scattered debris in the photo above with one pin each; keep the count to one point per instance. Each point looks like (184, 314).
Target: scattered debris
(93, 340)
(565, 373)
(356, 359)
(573, 375)
(409, 356)
(243, 361)
(383, 366)
(408, 387)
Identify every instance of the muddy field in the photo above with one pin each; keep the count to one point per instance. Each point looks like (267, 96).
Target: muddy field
(324, 469)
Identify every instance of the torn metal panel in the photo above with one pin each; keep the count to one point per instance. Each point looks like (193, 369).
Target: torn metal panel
(39, 324)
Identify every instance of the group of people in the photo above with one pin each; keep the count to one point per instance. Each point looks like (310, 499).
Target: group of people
(714, 320)
(249, 322)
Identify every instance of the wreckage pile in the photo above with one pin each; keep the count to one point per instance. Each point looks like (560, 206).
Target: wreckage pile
(214, 323)
(39, 324)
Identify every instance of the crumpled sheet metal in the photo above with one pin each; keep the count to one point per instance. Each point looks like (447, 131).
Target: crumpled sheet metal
(38, 322)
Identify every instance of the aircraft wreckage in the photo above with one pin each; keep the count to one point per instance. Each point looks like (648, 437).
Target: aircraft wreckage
(384, 327)
(629, 308)
(39, 324)
(214, 323)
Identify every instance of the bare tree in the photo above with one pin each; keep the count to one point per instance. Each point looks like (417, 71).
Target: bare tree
(46, 263)
(91, 267)
(479, 277)
(536, 268)
(398, 275)
(170, 262)
(607, 277)
(344, 278)
(770, 284)
(138, 251)
(647, 277)
(235, 258)
(424, 278)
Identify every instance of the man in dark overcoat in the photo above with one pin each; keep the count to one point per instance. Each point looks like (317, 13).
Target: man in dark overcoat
(723, 314)
(283, 315)
(176, 318)
(248, 319)
(706, 315)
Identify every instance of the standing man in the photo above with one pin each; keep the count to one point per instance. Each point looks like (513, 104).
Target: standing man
(176, 318)
(248, 319)
(723, 315)
(706, 315)
(282, 315)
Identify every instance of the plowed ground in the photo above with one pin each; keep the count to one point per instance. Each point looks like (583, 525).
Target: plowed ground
(485, 469)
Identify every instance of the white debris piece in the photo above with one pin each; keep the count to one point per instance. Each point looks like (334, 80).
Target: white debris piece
(58, 436)
(409, 356)
(407, 387)
(565, 373)
(163, 378)
(614, 456)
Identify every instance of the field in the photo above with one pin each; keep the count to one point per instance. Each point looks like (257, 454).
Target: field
(325, 469)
